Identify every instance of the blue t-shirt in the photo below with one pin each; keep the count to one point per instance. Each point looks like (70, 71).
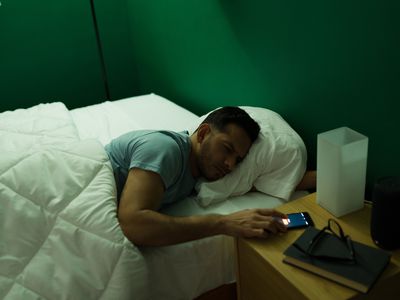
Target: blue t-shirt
(163, 152)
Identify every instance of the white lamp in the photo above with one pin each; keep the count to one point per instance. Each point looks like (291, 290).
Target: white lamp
(341, 170)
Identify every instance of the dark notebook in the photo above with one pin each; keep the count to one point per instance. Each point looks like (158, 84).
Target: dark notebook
(370, 262)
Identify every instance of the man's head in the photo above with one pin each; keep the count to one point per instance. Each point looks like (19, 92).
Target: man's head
(223, 139)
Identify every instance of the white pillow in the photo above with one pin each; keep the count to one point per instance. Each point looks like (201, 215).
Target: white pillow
(275, 164)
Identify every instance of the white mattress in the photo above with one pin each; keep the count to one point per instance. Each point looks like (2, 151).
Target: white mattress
(187, 270)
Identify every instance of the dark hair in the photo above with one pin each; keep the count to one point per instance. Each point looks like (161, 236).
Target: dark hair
(232, 114)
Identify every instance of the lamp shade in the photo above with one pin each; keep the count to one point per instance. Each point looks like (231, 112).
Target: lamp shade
(341, 170)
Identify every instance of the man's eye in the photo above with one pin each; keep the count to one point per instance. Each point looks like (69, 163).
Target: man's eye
(228, 149)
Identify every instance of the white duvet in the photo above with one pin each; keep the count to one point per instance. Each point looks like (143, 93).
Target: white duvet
(59, 234)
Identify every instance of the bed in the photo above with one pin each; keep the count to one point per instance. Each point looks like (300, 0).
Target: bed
(60, 237)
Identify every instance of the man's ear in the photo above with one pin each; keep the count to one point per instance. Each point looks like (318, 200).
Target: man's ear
(202, 131)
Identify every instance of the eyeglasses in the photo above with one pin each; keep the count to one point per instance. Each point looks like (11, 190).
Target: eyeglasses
(332, 229)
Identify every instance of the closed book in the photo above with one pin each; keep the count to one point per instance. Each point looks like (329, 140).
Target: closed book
(361, 275)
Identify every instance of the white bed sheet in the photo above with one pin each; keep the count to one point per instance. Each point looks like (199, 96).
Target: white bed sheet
(186, 270)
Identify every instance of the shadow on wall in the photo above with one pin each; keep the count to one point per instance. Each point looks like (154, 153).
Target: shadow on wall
(327, 65)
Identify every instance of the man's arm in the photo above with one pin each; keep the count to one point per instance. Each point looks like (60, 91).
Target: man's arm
(143, 225)
(309, 181)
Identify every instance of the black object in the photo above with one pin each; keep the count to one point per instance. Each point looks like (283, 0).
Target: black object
(385, 227)
(328, 259)
(299, 220)
(333, 228)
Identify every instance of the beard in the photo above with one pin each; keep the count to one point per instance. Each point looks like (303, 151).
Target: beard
(207, 166)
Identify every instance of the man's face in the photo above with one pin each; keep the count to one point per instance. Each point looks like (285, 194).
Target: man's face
(221, 151)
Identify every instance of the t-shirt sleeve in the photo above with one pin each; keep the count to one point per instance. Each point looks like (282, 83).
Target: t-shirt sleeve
(158, 153)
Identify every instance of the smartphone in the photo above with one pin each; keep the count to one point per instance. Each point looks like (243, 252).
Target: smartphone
(298, 220)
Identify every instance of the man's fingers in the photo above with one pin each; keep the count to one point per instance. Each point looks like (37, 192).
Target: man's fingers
(269, 223)
(273, 222)
(271, 212)
(265, 234)
(272, 229)
(254, 223)
(273, 226)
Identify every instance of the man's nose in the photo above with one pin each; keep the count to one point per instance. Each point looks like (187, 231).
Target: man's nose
(230, 163)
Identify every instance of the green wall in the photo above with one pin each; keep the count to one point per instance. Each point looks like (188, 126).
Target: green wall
(48, 52)
(320, 64)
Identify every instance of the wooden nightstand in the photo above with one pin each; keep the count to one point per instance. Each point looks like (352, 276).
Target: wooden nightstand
(261, 274)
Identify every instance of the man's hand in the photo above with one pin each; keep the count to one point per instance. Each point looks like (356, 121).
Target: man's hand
(253, 223)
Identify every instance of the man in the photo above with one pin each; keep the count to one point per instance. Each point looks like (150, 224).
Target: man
(153, 168)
